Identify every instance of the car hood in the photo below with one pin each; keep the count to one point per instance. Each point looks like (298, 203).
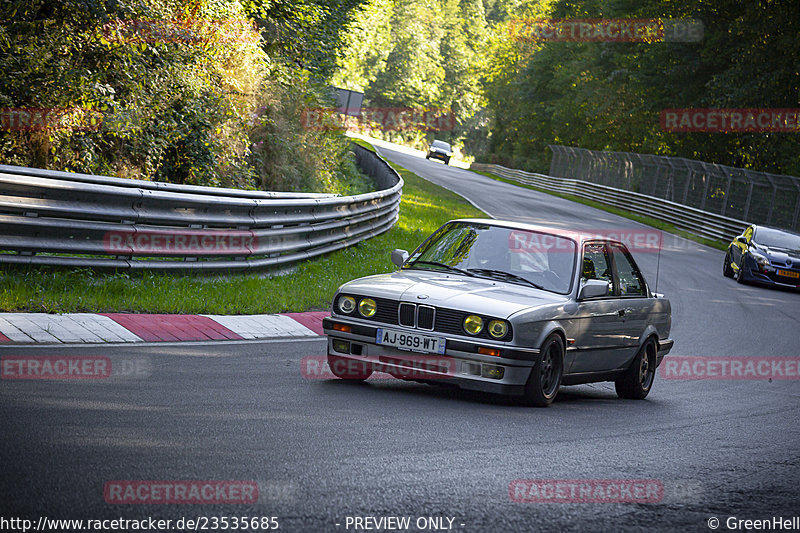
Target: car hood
(779, 255)
(485, 296)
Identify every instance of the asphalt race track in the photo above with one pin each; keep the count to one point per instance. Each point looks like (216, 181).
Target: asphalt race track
(325, 450)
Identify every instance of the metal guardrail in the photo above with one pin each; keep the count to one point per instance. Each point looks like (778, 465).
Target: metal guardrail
(738, 193)
(78, 220)
(695, 221)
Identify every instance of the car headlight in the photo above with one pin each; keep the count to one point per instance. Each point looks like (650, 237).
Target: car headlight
(346, 304)
(498, 328)
(367, 307)
(473, 324)
(760, 259)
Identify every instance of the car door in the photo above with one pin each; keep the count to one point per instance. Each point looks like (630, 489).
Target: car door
(634, 305)
(600, 335)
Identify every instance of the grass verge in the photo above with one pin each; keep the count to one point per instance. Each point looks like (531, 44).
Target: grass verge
(663, 226)
(424, 207)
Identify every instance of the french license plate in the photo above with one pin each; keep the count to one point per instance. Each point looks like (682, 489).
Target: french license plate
(410, 341)
(788, 273)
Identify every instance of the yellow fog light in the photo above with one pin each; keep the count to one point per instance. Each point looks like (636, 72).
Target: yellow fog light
(473, 324)
(498, 328)
(347, 304)
(341, 346)
(367, 307)
(493, 372)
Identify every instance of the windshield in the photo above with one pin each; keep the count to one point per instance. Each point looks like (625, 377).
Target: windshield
(517, 256)
(441, 144)
(772, 238)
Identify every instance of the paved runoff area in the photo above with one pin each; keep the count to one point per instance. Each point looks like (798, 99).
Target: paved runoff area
(30, 328)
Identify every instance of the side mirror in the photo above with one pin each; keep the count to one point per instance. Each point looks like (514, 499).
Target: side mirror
(593, 288)
(742, 239)
(399, 257)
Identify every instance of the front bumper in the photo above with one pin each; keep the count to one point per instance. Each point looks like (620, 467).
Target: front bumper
(772, 279)
(768, 275)
(460, 365)
(439, 155)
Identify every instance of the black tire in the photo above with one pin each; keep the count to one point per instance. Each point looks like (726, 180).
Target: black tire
(447, 161)
(740, 272)
(545, 379)
(349, 368)
(636, 382)
(427, 157)
(727, 271)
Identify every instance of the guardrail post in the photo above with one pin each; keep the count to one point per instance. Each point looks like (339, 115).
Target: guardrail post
(747, 202)
(772, 205)
(707, 178)
(725, 196)
(553, 160)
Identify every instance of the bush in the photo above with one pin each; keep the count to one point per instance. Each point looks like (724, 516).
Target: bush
(161, 90)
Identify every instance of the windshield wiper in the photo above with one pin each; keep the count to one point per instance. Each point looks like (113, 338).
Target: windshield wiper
(505, 275)
(443, 265)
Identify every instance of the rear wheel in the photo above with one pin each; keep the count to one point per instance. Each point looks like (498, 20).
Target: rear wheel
(545, 379)
(727, 271)
(349, 368)
(636, 382)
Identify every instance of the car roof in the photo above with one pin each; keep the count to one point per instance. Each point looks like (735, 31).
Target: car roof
(756, 227)
(579, 236)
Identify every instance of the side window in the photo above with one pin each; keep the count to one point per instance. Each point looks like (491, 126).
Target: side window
(596, 264)
(631, 282)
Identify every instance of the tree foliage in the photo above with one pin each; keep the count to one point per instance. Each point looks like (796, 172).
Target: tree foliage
(609, 96)
(417, 53)
(173, 90)
(513, 98)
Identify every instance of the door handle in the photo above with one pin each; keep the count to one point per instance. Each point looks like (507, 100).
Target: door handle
(600, 315)
(626, 311)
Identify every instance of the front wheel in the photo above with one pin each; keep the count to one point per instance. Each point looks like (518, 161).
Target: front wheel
(727, 271)
(349, 368)
(740, 272)
(545, 379)
(636, 382)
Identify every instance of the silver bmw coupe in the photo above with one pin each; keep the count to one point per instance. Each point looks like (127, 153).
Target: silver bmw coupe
(504, 307)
